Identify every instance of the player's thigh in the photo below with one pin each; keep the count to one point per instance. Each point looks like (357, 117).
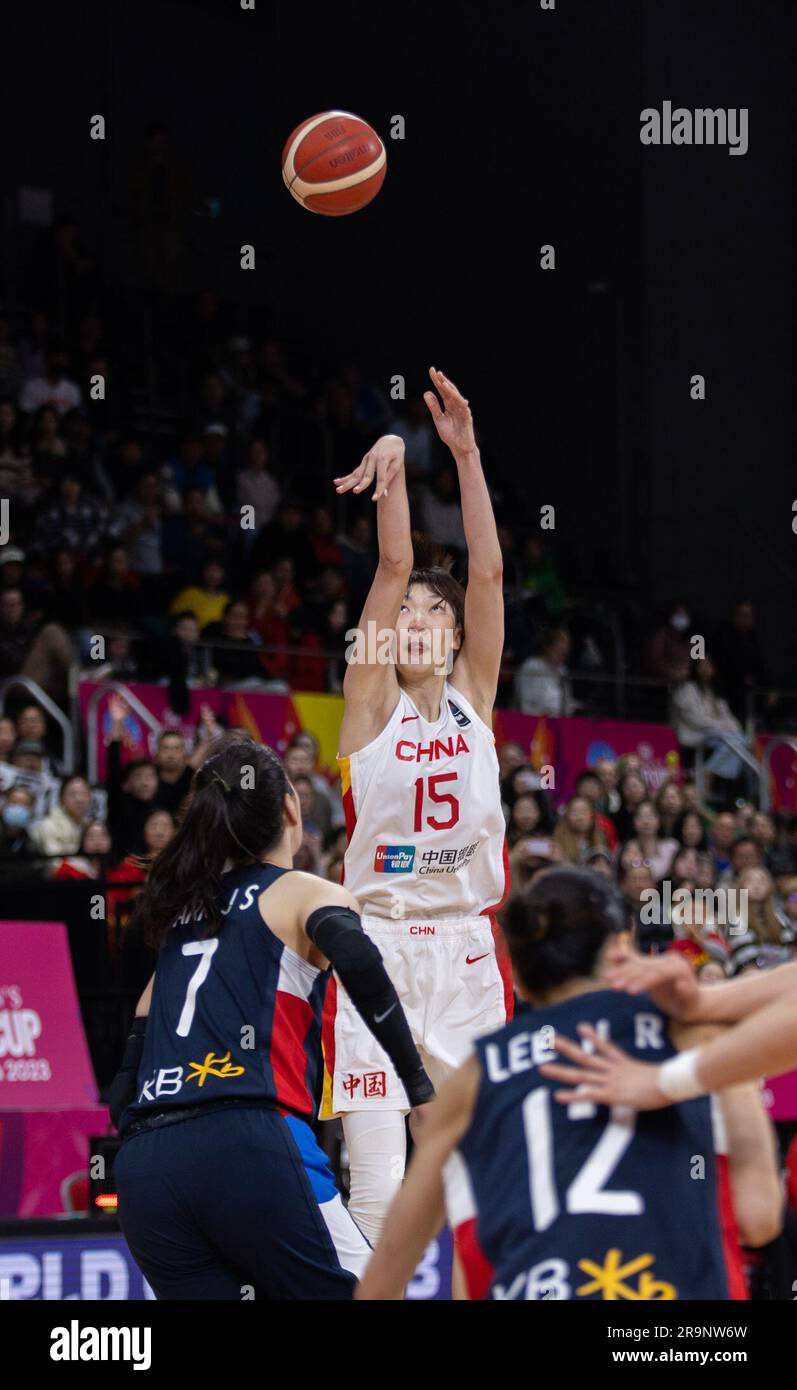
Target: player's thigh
(171, 1250)
(282, 1223)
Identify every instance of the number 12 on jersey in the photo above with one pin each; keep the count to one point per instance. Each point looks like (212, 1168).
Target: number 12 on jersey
(426, 789)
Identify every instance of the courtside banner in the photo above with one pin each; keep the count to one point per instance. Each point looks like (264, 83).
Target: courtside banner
(48, 1094)
(97, 1266)
(44, 1059)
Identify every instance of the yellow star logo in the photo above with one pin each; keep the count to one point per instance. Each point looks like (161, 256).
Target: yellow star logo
(213, 1066)
(610, 1279)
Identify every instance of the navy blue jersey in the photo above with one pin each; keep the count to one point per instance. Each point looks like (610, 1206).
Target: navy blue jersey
(579, 1201)
(233, 1016)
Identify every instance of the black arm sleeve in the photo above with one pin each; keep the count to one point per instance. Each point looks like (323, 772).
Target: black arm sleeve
(338, 933)
(123, 1087)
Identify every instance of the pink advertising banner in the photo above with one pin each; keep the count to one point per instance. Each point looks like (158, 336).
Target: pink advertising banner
(44, 1059)
(570, 745)
(48, 1094)
(270, 718)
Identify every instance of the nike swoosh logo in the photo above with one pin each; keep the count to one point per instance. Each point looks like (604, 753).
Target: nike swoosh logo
(408, 717)
(380, 1018)
(471, 960)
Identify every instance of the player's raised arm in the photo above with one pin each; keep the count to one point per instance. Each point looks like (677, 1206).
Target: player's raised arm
(370, 687)
(479, 661)
(418, 1211)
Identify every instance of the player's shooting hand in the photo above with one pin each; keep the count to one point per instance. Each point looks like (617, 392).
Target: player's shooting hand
(383, 463)
(668, 979)
(454, 424)
(604, 1076)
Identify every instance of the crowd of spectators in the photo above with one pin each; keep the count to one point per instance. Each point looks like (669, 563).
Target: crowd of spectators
(212, 551)
(719, 885)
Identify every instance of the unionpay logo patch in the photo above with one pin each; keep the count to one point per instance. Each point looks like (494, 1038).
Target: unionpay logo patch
(394, 859)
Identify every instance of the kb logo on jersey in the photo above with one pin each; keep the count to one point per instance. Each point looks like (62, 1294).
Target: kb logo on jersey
(394, 859)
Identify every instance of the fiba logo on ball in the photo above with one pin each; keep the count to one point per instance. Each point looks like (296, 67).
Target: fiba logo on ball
(333, 163)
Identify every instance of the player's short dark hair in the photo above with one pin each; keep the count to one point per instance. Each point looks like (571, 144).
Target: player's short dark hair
(557, 927)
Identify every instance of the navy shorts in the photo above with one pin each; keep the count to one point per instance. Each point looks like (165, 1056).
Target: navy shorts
(237, 1204)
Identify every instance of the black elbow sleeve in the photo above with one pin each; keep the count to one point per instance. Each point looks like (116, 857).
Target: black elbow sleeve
(122, 1090)
(338, 933)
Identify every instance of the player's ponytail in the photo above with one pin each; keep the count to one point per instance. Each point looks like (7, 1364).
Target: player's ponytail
(557, 928)
(234, 814)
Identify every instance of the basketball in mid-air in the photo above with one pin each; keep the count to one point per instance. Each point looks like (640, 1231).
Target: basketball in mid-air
(333, 163)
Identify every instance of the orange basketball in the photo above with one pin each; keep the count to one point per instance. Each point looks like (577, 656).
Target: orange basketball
(333, 163)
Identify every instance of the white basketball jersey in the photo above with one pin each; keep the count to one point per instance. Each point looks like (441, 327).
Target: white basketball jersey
(423, 815)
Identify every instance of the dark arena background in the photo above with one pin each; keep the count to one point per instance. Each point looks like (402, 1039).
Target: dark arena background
(179, 338)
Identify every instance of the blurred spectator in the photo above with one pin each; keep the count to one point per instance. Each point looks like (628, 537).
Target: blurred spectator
(206, 600)
(600, 861)
(16, 822)
(48, 448)
(174, 774)
(761, 920)
(721, 838)
(74, 520)
(9, 360)
(132, 790)
(669, 806)
(439, 509)
(700, 715)
(741, 659)
(540, 581)
(61, 831)
(668, 654)
(416, 430)
(542, 685)
(656, 851)
(528, 819)
(606, 769)
(191, 536)
(577, 833)
(54, 388)
(781, 858)
(510, 758)
(42, 653)
(8, 737)
(93, 855)
(745, 854)
(189, 470)
(589, 784)
(16, 471)
(358, 560)
(115, 591)
(234, 666)
(270, 622)
(139, 525)
(285, 540)
(633, 792)
(690, 830)
(636, 885)
(256, 487)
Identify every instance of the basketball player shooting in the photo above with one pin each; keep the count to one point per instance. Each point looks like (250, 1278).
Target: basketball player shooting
(425, 859)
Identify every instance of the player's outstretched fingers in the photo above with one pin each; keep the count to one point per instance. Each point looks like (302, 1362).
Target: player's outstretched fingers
(367, 470)
(433, 404)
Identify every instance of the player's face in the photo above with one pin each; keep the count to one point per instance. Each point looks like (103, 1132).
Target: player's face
(426, 631)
